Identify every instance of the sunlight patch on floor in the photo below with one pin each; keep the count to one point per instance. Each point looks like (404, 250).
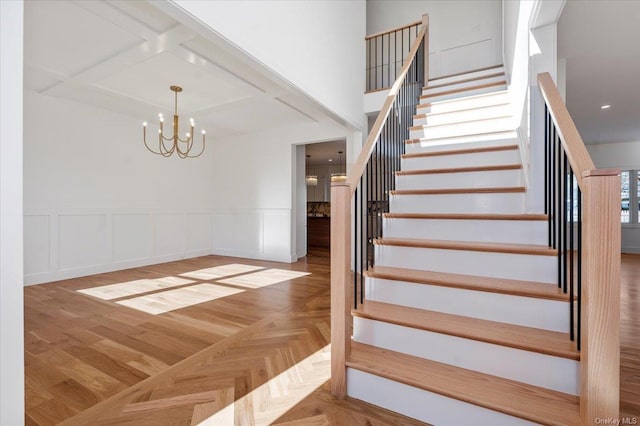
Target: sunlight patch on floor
(269, 401)
(159, 303)
(264, 278)
(221, 271)
(130, 288)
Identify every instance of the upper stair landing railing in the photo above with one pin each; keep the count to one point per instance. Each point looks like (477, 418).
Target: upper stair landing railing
(593, 209)
(386, 52)
(367, 186)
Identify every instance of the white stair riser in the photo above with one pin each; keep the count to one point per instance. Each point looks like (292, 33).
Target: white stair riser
(533, 368)
(498, 265)
(464, 115)
(526, 311)
(456, 78)
(490, 158)
(460, 129)
(422, 405)
(463, 142)
(484, 179)
(439, 98)
(458, 203)
(488, 231)
(462, 84)
(463, 102)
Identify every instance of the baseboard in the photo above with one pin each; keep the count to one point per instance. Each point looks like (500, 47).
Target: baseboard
(45, 277)
(256, 255)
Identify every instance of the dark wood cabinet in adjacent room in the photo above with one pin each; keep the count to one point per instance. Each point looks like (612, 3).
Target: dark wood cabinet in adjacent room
(318, 231)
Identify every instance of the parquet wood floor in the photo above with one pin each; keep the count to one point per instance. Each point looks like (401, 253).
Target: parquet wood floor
(256, 357)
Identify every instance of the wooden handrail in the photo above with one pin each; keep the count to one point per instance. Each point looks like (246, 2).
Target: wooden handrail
(572, 143)
(370, 36)
(361, 162)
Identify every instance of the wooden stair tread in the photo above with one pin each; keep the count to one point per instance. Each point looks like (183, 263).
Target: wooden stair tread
(446, 101)
(456, 123)
(431, 114)
(467, 216)
(461, 151)
(460, 170)
(464, 89)
(529, 339)
(532, 289)
(466, 80)
(518, 399)
(483, 190)
(532, 249)
(463, 73)
(418, 140)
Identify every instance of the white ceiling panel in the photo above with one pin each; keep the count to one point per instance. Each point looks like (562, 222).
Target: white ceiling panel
(51, 42)
(38, 79)
(149, 82)
(146, 14)
(259, 114)
(228, 62)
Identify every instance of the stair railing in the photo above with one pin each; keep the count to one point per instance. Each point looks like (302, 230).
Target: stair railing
(367, 186)
(583, 206)
(386, 52)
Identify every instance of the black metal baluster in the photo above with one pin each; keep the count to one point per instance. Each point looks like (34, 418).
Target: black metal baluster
(571, 222)
(579, 269)
(563, 218)
(552, 211)
(362, 239)
(355, 251)
(546, 158)
(376, 62)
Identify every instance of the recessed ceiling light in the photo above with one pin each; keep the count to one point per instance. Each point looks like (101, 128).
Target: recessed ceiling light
(605, 107)
(330, 159)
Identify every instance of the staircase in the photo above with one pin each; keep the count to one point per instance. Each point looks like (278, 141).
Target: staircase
(462, 320)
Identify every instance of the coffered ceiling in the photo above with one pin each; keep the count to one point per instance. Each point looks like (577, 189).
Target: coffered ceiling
(124, 55)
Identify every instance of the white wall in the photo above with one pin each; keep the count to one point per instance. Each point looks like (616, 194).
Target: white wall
(258, 215)
(624, 156)
(464, 34)
(96, 200)
(11, 293)
(317, 45)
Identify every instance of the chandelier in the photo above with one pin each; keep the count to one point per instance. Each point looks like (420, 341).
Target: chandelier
(340, 176)
(312, 180)
(180, 146)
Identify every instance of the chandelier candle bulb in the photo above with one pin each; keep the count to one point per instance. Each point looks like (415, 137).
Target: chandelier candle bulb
(182, 147)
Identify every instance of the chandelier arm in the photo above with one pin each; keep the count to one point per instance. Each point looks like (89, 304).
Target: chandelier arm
(163, 148)
(144, 139)
(201, 151)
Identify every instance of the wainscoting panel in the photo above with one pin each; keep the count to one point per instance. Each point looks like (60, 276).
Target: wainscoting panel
(249, 229)
(73, 243)
(199, 229)
(83, 241)
(223, 232)
(170, 234)
(36, 242)
(253, 233)
(132, 236)
(277, 232)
